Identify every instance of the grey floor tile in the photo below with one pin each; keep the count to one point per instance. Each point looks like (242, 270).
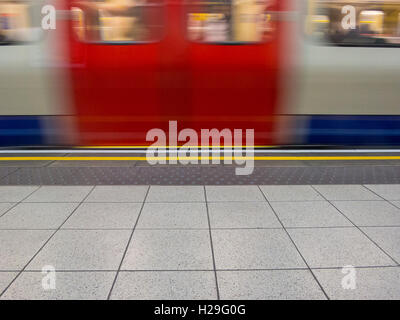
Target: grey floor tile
(104, 216)
(169, 250)
(83, 250)
(290, 193)
(117, 194)
(370, 213)
(234, 193)
(346, 192)
(161, 285)
(387, 191)
(68, 286)
(176, 194)
(388, 238)
(59, 194)
(19, 246)
(281, 163)
(4, 206)
(309, 214)
(254, 249)
(173, 215)
(23, 164)
(338, 247)
(370, 283)
(242, 215)
(31, 154)
(5, 279)
(93, 164)
(37, 215)
(268, 285)
(15, 193)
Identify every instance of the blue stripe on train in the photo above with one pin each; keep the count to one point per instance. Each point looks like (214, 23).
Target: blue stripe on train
(21, 131)
(354, 130)
(322, 130)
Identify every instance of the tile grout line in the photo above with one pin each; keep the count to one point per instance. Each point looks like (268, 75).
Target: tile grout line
(392, 204)
(19, 202)
(207, 270)
(211, 243)
(128, 244)
(287, 233)
(9, 174)
(364, 233)
(46, 242)
(178, 202)
(48, 165)
(194, 229)
(386, 200)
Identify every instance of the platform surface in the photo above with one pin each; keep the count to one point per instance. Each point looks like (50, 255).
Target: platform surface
(197, 242)
(47, 169)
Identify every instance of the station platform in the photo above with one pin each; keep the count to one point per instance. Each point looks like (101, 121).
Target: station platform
(126, 230)
(127, 167)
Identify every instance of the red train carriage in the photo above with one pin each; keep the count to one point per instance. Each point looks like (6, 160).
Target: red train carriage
(136, 64)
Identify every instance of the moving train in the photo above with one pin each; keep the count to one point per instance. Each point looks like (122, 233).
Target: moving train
(298, 72)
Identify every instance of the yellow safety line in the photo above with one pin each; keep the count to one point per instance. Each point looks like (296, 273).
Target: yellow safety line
(256, 158)
(168, 147)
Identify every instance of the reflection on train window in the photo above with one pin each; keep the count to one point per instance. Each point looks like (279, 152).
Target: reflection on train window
(19, 22)
(117, 21)
(374, 23)
(231, 21)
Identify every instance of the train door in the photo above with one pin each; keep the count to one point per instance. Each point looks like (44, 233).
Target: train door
(115, 68)
(350, 66)
(234, 61)
(137, 64)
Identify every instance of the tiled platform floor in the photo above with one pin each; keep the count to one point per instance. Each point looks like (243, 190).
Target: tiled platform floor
(200, 242)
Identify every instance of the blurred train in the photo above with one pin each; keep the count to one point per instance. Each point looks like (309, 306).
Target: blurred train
(112, 70)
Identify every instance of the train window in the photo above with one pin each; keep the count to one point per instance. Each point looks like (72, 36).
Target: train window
(354, 23)
(19, 22)
(118, 21)
(231, 21)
